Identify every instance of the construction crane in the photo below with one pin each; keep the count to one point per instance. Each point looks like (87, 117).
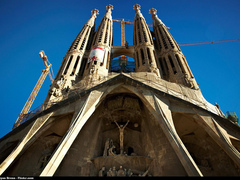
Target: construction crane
(122, 29)
(123, 60)
(209, 42)
(36, 89)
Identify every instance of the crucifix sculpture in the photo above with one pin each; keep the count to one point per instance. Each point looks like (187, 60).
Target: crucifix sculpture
(121, 130)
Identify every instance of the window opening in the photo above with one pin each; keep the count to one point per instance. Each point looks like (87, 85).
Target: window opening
(137, 59)
(169, 39)
(163, 39)
(75, 66)
(172, 64)
(180, 64)
(149, 55)
(122, 64)
(83, 65)
(69, 62)
(142, 56)
(162, 67)
(108, 57)
(165, 65)
(84, 40)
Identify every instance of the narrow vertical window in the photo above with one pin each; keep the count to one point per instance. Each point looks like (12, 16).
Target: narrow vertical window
(83, 64)
(158, 39)
(163, 39)
(155, 56)
(180, 63)
(103, 59)
(100, 37)
(169, 39)
(106, 34)
(172, 64)
(162, 67)
(139, 34)
(108, 57)
(149, 55)
(165, 65)
(142, 56)
(75, 66)
(137, 59)
(110, 35)
(68, 64)
(83, 43)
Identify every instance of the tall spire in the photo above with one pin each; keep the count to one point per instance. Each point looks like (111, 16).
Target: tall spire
(99, 57)
(73, 61)
(171, 60)
(145, 56)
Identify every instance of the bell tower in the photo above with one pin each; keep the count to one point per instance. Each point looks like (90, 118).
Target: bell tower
(171, 60)
(99, 57)
(73, 62)
(145, 56)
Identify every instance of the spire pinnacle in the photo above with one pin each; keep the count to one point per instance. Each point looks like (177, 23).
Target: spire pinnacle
(137, 7)
(95, 12)
(109, 7)
(153, 12)
(155, 18)
(109, 12)
(138, 13)
(93, 17)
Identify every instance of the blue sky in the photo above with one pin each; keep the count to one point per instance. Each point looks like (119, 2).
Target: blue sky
(29, 26)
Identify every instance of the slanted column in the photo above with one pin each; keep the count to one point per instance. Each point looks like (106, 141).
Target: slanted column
(145, 56)
(99, 58)
(173, 64)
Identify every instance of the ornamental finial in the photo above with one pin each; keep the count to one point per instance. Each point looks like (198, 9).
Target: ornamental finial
(95, 12)
(152, 11)
(109, 7)
(137, 7)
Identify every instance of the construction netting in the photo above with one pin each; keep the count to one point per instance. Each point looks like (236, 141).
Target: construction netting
(123, 64)
(232, 116)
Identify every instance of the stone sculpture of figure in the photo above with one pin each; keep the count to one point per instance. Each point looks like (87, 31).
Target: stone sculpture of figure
(121, 172)
(60, 82)
(129, 173)
(114, 171)
(92, 69)
(121, 130)
(126, 44)
(102, 172)
(109, 149)
(107, 144)
(188, 80)
(109, 173)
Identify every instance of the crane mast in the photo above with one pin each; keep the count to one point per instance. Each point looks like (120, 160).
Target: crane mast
(35, 91)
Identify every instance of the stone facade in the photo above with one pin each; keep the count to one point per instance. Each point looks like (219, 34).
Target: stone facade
(151, 122)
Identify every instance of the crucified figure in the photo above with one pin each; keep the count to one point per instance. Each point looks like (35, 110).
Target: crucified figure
(121, 130)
